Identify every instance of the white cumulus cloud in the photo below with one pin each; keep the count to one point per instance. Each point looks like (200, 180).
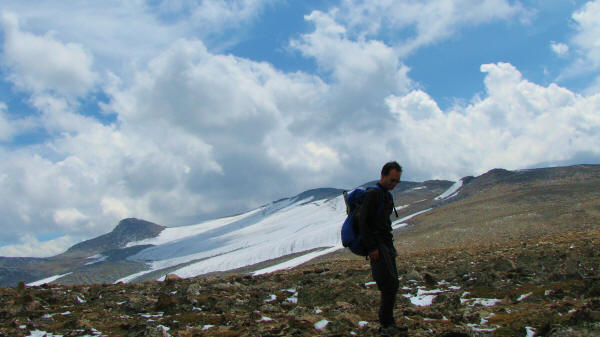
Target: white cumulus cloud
(559, 49)
(43, 63)
(587, 38)
(429, 21)
(585, 45)
(121, 34)
(6, 128)
(518, 124)
(30, 246)
(355, 64)
(69, 218)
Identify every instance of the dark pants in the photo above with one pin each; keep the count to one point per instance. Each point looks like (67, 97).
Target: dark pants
(385, 275)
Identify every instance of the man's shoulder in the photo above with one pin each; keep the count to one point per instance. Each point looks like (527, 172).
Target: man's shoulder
(373, 191)
(378, 192)
(376, 188)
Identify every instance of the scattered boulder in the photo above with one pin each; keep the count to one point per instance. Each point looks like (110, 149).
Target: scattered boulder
(172, 277)
(503, 264)
(193, 289)
(430, 279)
(413, 275)
(166, 303)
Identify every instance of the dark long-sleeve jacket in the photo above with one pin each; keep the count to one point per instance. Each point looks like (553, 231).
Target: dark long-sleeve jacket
(374, 218)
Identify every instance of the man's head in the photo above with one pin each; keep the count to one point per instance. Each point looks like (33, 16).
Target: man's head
(390, 175)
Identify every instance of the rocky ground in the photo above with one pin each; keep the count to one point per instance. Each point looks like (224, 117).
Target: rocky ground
(547, 286)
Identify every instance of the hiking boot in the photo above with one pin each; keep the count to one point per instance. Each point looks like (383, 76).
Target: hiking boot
(393, 330)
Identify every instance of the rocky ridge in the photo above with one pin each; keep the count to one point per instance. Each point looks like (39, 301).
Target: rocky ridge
(76, 263)
(128, 230)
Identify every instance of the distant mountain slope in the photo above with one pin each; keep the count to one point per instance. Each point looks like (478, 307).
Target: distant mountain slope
(281, 234)
(127, 230)
(107, 258)
(318, 194)
(75, 259)
(502, 206)
(497, 206)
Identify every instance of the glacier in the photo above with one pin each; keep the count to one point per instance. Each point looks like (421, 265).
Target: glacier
(290, 226)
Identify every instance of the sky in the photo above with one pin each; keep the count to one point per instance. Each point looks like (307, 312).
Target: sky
(178, 111)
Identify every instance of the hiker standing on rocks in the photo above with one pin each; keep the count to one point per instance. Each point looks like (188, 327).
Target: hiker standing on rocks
(376, 230)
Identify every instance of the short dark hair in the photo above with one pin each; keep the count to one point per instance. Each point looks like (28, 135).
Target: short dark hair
(385, 170)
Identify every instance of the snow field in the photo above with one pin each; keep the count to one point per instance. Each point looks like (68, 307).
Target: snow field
(257, 236)
(172, 234)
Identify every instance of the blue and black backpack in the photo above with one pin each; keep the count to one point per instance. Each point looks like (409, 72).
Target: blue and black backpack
(351, 237)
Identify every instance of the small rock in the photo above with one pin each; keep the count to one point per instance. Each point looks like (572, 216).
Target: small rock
(413, 275)
(269, 308)
(172, 277)
(595, 316)
(166, 303)
(224, 286)
(304, 323)
(344, 305)
(430, 279)
(503, 264)
(32, 306)
(134, 306)
(453, 333)
(193, 289)
(351, 319)
(472, 317)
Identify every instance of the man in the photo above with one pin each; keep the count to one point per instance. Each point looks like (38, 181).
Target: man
(376, 229)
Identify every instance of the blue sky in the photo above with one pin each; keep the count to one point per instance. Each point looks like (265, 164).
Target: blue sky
(176, 111)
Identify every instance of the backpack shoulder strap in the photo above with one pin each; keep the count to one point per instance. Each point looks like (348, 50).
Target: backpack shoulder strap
(377, 187)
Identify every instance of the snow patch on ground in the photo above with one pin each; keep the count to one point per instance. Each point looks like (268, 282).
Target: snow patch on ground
(451, 192)
(524, 296)
(320, 325)
(95, 259)
(46, 280)
(422, 300)
(401, 222)
(486, 302)
(421, 292)
(295, 261)
(271, 298)
(40, 333)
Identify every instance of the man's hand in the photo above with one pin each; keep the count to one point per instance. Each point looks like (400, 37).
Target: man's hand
(374, 255)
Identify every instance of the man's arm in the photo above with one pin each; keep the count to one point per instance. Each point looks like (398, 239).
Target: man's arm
(366, 216)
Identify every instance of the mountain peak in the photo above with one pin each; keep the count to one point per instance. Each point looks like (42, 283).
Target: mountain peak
(133, 226)
(128, 230)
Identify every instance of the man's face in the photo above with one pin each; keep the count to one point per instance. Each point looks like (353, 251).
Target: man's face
(391, 180)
